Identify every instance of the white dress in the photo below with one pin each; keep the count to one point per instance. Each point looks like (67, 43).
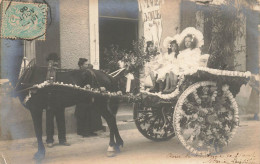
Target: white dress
(187, 59)
(153, 65)
(168, 62)
(149, 67)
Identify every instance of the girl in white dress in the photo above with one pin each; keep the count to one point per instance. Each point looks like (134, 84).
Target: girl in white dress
(152, 66)
(163, 65)
(186, 60)
(169, 61)
(189, 57)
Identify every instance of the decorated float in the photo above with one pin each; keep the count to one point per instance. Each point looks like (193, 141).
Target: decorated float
(202, 111)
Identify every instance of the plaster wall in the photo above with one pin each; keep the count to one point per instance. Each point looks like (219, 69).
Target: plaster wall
(170, 11)
(74, 32)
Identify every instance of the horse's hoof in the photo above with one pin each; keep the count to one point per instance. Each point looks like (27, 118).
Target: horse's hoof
(111, 153)
(117, 148)
(39, 156)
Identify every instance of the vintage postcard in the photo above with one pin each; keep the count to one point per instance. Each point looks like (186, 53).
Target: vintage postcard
(129, 81)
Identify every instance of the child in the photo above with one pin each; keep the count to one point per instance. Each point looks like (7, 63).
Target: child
(152, 66)
(187, 59)
(169, 63)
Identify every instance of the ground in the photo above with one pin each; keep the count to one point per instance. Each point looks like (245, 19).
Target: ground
(244, 148)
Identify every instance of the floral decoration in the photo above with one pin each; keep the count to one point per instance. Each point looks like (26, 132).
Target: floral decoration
(87, 89)
(206, 118)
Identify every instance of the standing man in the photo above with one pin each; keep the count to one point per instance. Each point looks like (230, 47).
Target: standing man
(88, 118)
(56, 111)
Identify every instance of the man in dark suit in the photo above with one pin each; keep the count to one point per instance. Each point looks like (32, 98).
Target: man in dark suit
(54, 111)
(88, 118)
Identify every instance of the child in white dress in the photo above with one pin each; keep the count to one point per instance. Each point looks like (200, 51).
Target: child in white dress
(152, 66)
(169, 62)
(187, 59)
(163, 65)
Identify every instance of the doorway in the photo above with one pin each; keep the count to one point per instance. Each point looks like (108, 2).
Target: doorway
(118, 25)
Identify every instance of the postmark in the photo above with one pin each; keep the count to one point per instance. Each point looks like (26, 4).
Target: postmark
(24, 20)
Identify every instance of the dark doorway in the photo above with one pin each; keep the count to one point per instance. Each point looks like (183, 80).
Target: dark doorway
(118, 32)
(118, 24)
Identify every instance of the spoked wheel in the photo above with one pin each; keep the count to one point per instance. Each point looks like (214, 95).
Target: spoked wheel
(205, 117)
(154, 123)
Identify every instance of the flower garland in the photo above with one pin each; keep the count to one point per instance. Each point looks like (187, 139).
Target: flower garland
(95, 91)
(192, 72)
(225, 72)
(209, 122)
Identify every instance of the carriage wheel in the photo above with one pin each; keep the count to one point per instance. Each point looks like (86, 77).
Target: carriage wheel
(205, 117)
(154, 123)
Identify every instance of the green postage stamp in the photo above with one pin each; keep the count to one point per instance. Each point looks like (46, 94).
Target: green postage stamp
(22, 20)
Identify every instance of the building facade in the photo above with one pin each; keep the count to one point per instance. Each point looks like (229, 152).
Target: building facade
(80, 28)
(83, 28)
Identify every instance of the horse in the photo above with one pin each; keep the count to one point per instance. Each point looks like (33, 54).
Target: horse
(55, 97)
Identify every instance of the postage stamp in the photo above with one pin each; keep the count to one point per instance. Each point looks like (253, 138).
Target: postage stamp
(24, 20)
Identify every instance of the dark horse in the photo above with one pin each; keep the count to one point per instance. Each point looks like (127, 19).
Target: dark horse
(61, 97)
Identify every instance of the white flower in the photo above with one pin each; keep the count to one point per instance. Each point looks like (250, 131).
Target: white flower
(248, 74)
(241, 74)
(225, 88)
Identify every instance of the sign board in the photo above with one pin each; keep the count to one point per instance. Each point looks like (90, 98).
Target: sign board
(22, 20)
(152, 20)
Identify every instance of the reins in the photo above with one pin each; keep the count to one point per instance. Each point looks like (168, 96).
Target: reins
(117, 72)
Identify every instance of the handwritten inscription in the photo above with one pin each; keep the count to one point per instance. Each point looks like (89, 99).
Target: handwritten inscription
(24, 20)
(238, 158)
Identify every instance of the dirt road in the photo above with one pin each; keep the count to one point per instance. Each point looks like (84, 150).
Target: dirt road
(245, 148)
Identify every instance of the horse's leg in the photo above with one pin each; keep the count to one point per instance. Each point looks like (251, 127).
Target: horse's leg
(110, 122)
(114, 103)
(37, 122)
(110, 119)
(111, 151)
(49, 127)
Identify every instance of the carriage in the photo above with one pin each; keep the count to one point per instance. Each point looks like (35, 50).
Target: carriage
(202, 111)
